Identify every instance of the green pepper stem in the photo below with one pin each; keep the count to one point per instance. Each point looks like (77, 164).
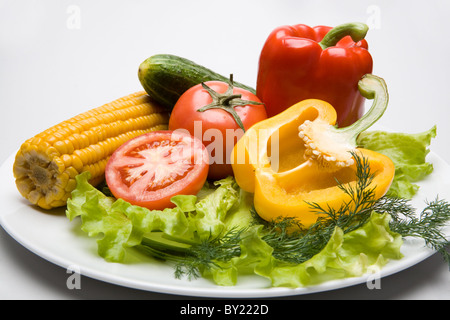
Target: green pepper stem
(374, 88)
(356, 30)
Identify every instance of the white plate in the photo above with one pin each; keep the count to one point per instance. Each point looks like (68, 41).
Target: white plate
(53, 237)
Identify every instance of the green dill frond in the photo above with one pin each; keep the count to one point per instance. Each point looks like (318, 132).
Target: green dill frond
(208, 253)
(397, 207)
(220, 248)
(354, 213)
(428, 225)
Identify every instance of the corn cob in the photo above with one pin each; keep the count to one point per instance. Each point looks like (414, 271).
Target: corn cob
(46, 165)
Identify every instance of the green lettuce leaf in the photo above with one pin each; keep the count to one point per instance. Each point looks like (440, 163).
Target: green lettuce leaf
(408, 152)
(211, 210)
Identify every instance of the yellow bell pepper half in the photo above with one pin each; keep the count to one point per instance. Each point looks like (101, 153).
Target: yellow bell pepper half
(270, 162)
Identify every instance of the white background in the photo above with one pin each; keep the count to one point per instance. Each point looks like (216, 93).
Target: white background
(59, 58)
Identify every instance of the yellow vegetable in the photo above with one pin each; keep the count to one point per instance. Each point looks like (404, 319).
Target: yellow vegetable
(299, 157)
(46, 165)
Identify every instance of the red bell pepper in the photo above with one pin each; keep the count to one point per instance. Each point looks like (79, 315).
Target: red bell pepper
(299, 62)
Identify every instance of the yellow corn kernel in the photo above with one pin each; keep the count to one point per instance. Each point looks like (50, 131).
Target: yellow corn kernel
(77, 163)
(71, 185)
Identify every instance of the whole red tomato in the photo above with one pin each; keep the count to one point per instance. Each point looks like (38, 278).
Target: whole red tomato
(218, 114)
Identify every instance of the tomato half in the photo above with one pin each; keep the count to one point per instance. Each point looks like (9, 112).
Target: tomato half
(216, 127)
(150, 169)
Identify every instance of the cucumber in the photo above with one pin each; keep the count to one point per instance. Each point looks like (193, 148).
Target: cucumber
(166, 77)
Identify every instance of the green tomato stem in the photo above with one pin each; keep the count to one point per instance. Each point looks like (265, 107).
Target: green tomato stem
(227, 102)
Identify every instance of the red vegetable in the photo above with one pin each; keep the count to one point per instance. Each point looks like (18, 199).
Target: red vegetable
(299, 62)
(217, 113)
(149, 170)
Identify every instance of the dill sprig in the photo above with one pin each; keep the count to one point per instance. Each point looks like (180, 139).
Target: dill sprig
(193, 257)
(208, 252)
(288, 238)
(355, 212)
(295, 246)
(428, 225)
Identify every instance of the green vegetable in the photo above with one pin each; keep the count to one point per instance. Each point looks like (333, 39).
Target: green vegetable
(166, 77)
(408, 152)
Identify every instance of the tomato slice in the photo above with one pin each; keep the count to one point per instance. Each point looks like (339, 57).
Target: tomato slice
(150, 169)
